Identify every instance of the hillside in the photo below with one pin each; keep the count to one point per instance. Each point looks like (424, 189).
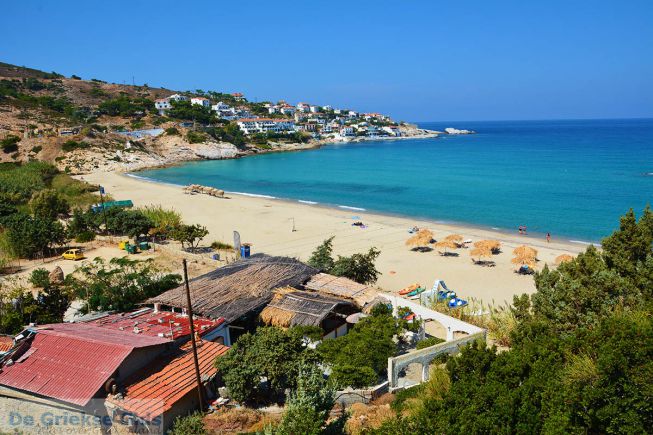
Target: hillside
(75, 124)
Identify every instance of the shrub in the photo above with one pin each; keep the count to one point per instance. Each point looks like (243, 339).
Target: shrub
(172, 131)
(48, 204)
(37, 149)
(189, 425)
(10, 144)
(428, 342)
(85, 236)
(217, 245)
(71, 145)
(164, 220)
(189, 235)
(195, 137)
(358, 267)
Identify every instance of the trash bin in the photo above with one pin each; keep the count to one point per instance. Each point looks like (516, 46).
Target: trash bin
(244, 251)
(131, 249)
(143, 246)
(216, 256)
(123, 245)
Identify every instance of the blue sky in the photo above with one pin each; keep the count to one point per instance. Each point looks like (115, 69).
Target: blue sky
(416, 60)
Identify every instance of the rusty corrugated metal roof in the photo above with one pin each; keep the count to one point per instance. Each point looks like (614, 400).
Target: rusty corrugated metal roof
(168, 382)
(71, 362)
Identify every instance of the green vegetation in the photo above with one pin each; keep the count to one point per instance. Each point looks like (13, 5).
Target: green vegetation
(126, 106)
(188, 235)
(31, 236)
(19, 307)
(358, 267)
(172, 131)
(217, 245)
(581, 356)
(360, 358)
(10, 144)
(229, 133)
(48, 204)
(189, 425)
(163, 220)
(309, 405)
(184, 110)
(36, 149)
(271, 352)
(72, 145)
(132, 223)
(195, 137)
(121, 284)
(428, 342)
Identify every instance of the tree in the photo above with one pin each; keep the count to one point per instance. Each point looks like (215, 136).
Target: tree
(189, 235)
(321, 258)
(132, 223)
(309, 405)
(271, 352)
(48, 204)
(119, 285)
(359, 358)
(358, 267)
(28, 236)
(189, 425)
(10, 144)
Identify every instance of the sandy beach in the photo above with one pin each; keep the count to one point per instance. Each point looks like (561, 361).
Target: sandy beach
(268, 225)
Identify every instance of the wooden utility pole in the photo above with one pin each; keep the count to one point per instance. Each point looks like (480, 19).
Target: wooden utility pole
(104, 211)
(198, 376)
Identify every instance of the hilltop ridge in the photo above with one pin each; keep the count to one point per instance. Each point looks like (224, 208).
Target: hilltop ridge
(88, 125)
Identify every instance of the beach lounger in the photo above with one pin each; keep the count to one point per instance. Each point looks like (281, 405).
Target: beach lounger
(456, 303)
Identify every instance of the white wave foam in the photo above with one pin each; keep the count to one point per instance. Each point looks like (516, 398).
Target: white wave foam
(307, 202)
(253, 195)
(346, 207)
(151, 180)
(582, 242)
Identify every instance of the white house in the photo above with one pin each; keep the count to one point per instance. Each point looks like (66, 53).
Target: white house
(314, 109)
(287, 110)
(265, 125)
(352, 114)
(327, 108)
(177, 97)
(200, 101)
(303, 107)
(162, 104)
(392, 131)
(220, 107)
(273, 109)
(347, 131)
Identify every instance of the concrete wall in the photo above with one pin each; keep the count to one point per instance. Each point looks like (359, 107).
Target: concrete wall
(425, 356)
(349, 396)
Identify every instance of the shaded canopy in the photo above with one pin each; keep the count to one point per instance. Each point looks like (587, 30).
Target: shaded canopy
(525, 251)
(292, 307)
(492, 245)
(563, 258)
(530, 262)
(422, 238)
(446, 244)
(454, 237)
(481, 252)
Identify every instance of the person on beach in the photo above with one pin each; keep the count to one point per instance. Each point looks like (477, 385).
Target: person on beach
(548, 237)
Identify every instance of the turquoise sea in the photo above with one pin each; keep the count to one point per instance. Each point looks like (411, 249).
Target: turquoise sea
(570, 178)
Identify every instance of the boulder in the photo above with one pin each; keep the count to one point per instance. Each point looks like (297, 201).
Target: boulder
(56, 276)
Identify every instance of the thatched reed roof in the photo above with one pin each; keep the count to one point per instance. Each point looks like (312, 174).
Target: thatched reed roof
(422, 238)
(238, 288)
(530, 262)
(341, 287)
(291, 307)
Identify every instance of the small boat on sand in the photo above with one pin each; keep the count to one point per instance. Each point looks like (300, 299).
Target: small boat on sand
(409, 289)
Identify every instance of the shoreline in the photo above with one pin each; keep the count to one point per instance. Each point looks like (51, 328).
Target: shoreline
(531, 237)
(268, 224)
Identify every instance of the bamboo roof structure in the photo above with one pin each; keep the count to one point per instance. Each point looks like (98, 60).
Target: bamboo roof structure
(292, 307)
(340, 287)
(422, 238)
(241, 287)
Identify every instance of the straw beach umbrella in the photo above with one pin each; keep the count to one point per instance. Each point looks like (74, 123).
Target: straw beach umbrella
(563, 258)
(493, 245)
(422, 238)
(525, 251)
(480, 252)
(454, 238)
(529, 261)
(446, 244)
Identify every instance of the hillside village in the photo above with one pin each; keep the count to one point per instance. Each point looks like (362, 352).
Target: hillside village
(87, 125)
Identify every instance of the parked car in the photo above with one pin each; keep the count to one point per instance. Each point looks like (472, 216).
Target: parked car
(73, 254)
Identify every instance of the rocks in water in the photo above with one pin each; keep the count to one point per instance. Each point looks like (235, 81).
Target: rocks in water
(56, 276)
(206, 190)
(451, 130)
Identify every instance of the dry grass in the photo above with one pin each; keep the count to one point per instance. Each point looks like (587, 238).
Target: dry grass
(234, 421)
(364, 417)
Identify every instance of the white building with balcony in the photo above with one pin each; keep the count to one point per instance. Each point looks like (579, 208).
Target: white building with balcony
(265, 125)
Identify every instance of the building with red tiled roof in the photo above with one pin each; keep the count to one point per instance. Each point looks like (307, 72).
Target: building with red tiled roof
(6, 343)
(74, 363)
(155, 323)
(168, 388)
